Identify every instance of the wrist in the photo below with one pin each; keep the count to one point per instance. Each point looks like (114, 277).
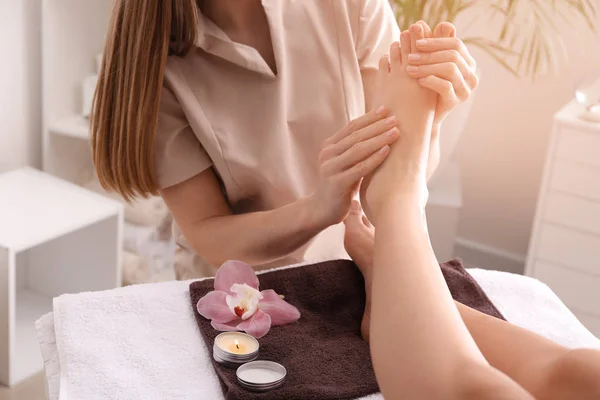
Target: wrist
(315, 215)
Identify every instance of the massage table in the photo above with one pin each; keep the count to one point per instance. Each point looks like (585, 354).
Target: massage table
(142, 342)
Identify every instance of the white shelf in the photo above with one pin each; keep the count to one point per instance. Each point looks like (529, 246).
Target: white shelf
(30, 307)
(75, 126)
(55, 238)
(569, 115)
(36, 207)
(73, 35)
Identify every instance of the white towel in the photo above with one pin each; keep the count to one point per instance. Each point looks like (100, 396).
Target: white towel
(142, 342)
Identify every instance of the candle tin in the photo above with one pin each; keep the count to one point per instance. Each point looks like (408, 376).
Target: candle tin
(230, 359)
(261, 376)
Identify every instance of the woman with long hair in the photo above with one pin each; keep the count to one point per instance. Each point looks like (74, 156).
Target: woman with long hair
(257, 122)
(253, 120)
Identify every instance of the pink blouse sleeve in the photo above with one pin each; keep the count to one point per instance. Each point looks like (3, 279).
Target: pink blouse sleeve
(377, 30)
(178, 153)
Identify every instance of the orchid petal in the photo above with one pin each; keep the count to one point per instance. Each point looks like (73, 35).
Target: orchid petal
(245, 301)
(252, 308)
(232, 302)
(232, 272)
(229, 327)
(280, 311)
(213, 306)
(257, 326)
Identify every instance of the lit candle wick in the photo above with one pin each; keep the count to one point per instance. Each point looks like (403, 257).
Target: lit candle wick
(237, 344)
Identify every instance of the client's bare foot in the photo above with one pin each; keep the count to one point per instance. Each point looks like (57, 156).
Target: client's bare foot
(414, 107)
(359, 242)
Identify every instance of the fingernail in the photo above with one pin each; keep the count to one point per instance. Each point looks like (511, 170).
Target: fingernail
(384, 149)
(412, 68)
(414, 56)
(355, 206)
(421, 42)
(380, 110)
(392, 132)
(390, 120)
(422, 80)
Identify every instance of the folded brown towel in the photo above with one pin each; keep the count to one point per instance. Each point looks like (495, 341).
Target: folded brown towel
(323, 352)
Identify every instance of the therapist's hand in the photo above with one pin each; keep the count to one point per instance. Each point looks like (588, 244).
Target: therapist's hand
(349, 155)
(443, 64)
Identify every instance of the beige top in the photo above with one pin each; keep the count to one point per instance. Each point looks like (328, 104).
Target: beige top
(262, 132)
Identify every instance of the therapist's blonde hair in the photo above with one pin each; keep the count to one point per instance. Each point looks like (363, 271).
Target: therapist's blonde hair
(142, 34)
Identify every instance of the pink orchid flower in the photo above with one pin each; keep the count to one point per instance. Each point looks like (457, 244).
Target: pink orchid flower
(237, 305)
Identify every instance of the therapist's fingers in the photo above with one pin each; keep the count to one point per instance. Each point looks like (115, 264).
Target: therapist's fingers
(442, 87)
(358, 171)
(447, 71)
(441, 57)
(360, 136)
(430, 45)
(360, 151)
(356, 124)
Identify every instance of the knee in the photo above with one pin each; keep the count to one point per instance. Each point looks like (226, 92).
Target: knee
(575, 374)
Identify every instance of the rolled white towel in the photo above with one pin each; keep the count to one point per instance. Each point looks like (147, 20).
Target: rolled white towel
(151, 212)
(135, 269)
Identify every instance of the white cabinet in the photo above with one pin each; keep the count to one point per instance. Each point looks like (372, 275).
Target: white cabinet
(564, 251)
(55, 238)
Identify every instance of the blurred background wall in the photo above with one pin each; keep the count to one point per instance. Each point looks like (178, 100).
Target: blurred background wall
(20, 80)
(502, 151)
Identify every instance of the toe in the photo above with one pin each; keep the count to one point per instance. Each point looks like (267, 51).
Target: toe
(383, 71)
(426, 29)
(353, 221)
(384, 64)
(395, 56)
(355, 207)
(444, 29)
(404, 49)
(416, 33)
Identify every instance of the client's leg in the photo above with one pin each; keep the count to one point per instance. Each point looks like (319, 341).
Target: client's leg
(420, 346)
(543, 367)
(359, 242)
(546, 369)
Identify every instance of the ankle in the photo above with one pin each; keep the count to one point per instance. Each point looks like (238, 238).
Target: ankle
(409, 204)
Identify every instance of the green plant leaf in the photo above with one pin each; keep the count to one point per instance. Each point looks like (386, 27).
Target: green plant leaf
(541, 15)
(508, 13)
(581, 9)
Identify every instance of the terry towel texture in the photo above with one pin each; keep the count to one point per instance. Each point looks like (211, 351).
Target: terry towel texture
(323, 352)
(142, 341)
